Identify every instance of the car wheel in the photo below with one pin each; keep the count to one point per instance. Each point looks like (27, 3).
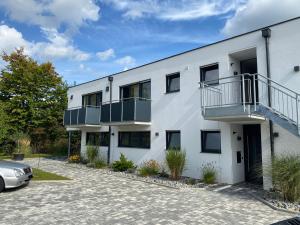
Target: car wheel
(2, 184)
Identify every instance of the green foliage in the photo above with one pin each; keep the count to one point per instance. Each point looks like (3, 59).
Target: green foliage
(92, 153)
(176, 161)
(285, 171)
(100, 163)
(123, 164)
(4, 123)
(149, 168)
(209, 174)
(34, 96)
(22, 141)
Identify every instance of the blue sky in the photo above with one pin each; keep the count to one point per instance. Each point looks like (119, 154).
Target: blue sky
(87, 39)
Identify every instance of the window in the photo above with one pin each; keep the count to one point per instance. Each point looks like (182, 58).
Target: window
(94, 99)
(211, 141)
(137, 90)
(210, 74)
(173, 82)
(140, 139)
(173, 140)
(104, 139)
(97, 138)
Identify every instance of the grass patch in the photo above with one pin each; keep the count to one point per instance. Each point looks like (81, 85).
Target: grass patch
(39, 174)
(28, 156)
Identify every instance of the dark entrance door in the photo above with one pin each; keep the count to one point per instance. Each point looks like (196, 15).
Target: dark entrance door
(249, 66)
(252, 153)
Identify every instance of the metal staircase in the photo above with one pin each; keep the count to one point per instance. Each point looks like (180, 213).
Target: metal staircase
(248, 96)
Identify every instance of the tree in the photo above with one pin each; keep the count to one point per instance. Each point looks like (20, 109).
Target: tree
(4, 125)
(34, 95)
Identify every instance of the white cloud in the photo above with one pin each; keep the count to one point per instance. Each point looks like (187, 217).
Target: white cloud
(255, 14)
(58, 46)
(10, 39)
(52, 13)
(105, 55)
(174, 10)
(126, 61)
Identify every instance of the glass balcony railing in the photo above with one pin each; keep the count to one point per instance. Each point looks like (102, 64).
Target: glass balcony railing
(124, 111)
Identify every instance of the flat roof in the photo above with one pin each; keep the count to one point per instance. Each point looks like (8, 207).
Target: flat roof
(191, 50)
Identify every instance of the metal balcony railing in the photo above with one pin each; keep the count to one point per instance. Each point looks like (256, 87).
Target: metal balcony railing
(251, 90)
(120, 111)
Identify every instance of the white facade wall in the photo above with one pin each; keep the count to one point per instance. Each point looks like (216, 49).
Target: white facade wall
(182, 110)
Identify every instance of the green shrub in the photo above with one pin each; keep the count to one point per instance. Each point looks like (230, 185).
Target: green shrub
(175, 160)
(285, 171)
(123, 164)
(100, 163)
(209, 174)
(149, 168)
(91, 153)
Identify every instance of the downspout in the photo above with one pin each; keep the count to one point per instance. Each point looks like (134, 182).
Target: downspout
(69, 144)
(110, 79)
(266, 33)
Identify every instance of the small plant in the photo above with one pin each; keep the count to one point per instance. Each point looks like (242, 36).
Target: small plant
(100, 163)
(175, 160)
(149, 168)
(123, 164)
(209, 174)
(191, 181)
(91, 152)
(74, 159)
(285, 171)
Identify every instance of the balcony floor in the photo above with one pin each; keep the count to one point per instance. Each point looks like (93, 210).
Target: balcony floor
(233, 114)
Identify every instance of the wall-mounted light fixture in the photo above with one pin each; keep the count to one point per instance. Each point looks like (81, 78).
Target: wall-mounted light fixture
(156, 134)
(296, 68)
(71, 97)
(107, 89)
(275, 134)
(112, 134)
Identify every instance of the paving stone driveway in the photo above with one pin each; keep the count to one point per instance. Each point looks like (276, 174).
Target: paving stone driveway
(93, 197)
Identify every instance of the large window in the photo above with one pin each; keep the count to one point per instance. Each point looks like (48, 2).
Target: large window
(173, 139)
(141, 90)
(211, 141)
(97, 138)
(139, 139)
(173, 82)
(210, 74)
(93, 99)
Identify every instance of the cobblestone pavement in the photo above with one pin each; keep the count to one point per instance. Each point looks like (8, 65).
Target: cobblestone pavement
(94, 197)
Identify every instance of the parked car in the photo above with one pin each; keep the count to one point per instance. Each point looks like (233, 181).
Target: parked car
(14, 174)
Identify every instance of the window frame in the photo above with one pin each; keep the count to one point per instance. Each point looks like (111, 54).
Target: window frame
(206, 150)
(130, 145)
(88, 95)
(172, 76)
(97, 138)
(139, 83)
(167, 138)
(202, 75)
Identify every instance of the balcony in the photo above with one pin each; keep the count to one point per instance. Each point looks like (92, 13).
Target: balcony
(234, 98)
(131, 111)
(250, 98)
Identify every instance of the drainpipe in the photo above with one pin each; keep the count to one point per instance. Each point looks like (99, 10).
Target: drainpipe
(69, 145)
(266, 33)
(110, 79)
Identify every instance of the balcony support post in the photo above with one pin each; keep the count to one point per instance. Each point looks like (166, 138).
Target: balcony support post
(243, 89)
(69, 144)
(254, 90)
(297, 112)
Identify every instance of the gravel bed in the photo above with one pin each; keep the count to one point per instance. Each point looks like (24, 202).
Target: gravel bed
(180, 184)
(274, 199)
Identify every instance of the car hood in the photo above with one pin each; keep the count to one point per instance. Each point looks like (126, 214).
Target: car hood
(9, 164)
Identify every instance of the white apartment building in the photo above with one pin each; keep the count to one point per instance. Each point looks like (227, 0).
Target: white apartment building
(233, 103)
